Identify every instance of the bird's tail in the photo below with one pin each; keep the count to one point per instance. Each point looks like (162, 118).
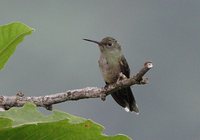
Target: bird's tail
(124, 97)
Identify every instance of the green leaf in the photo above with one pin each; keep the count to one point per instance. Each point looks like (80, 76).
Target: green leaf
(28, 123)
(10, 36)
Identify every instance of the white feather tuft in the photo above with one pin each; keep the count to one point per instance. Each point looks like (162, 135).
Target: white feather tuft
(127, 109)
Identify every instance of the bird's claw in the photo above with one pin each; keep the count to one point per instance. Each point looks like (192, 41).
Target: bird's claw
(121, 77)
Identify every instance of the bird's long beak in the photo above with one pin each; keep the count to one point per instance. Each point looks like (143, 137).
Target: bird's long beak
(93, 41)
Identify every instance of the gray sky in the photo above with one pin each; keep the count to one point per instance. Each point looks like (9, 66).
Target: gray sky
(55, 58)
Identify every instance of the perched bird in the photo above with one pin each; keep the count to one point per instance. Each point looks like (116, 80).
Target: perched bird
(112, 62)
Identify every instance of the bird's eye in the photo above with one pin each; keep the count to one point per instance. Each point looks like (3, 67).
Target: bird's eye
(109, 44)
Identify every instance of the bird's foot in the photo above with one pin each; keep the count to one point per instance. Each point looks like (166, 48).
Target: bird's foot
(121, 77)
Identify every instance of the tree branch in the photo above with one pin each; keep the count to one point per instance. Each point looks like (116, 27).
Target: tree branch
(6, 102)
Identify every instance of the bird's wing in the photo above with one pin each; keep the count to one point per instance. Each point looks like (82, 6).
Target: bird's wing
(124, 97)
(124, 67)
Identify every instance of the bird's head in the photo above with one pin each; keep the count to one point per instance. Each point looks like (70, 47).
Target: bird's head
(107, 44)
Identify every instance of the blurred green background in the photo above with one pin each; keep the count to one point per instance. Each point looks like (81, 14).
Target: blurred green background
(55, 58)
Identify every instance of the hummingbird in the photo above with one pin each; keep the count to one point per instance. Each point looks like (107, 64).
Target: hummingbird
(111, 63)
